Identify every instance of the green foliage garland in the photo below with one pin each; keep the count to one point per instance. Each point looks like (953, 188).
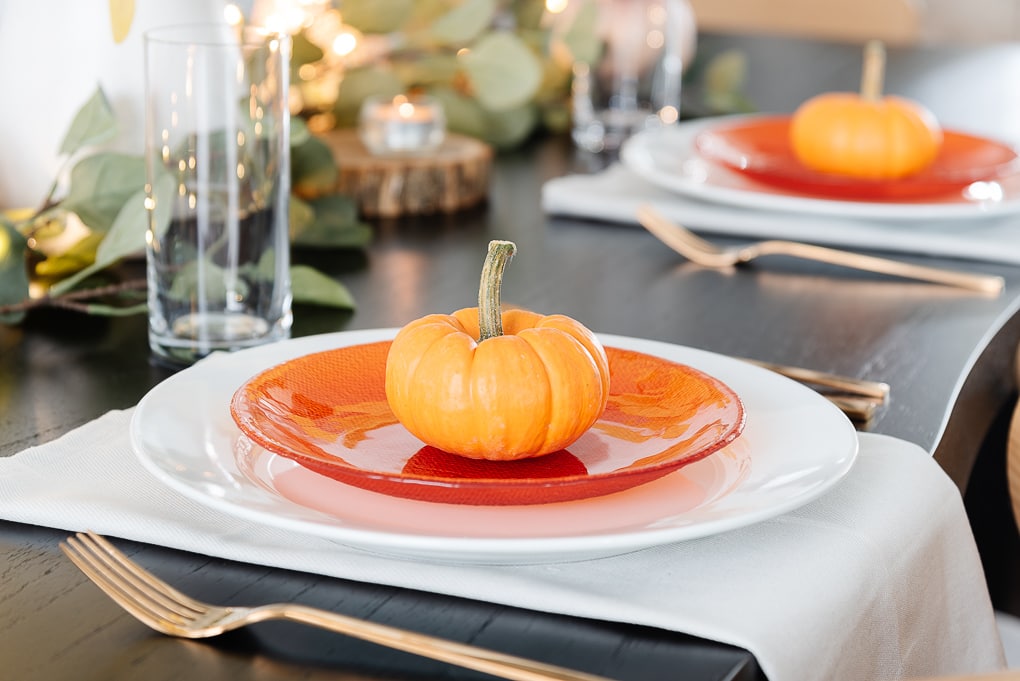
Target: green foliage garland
(106, 194)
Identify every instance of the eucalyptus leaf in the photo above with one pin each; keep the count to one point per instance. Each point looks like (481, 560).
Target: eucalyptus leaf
(428, 70)
(503, 72)
(335, 225)
(313, 287)
(464, 23)
(299, 132)
(127, 234)
(101, 184)
(300, 215)
(728, 103)
(313, 169)
(115, 310)
(360, 84)
(537, 41)
(163, 198)
(426, 12)
(122, 14)
(13, 272)
(49, 229)
(214, 282)
(376, 16)
(556, 79)
(77, 257)
(336, 208)
(94, 123)
(725, 74)
(464, 115)
(556, 117)
(528, 14)
(507, 129)
(582, 38)
(65, 285)
(265, 268)
(304, 51)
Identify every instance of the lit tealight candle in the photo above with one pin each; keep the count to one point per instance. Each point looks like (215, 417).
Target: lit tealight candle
(402, 125)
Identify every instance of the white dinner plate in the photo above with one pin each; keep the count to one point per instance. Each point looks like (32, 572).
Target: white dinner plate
(667, 158)
(795, 446)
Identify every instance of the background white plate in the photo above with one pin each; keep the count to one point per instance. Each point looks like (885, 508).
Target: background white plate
(795, 446)
(667, 158)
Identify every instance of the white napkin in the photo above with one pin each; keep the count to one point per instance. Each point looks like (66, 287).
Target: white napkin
(878, 579)
(615, 193)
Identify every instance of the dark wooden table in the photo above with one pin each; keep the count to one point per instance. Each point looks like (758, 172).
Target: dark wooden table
(947, 355)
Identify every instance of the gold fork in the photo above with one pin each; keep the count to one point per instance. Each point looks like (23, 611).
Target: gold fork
(878, 390)
(699, 251)
(858, 409)
(856, 397)
(168, 611)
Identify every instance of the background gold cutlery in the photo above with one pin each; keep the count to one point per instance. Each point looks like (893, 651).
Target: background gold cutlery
(704, 253)
(859, 399)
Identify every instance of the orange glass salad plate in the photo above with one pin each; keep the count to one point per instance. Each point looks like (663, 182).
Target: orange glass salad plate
(328, 412)
(759, 148)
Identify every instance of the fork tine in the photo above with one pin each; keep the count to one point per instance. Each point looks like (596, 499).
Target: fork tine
(650, 216)
(89, 565)
(147, 598)
(141, 579)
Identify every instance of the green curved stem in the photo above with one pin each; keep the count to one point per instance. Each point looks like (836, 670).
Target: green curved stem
(490, 314)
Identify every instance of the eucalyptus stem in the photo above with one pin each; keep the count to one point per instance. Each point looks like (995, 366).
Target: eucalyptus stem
(490, 314)
(49, 203)
(873, 71)
(70, 301)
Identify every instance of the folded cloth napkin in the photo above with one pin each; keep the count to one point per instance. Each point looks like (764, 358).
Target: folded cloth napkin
(877, 579)
(614, 195)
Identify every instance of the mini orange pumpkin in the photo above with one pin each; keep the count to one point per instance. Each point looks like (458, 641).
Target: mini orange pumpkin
(496, 385)
(865, 135)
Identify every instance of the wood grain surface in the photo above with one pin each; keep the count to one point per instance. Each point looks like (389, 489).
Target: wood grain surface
(454, 177)
(947, 354)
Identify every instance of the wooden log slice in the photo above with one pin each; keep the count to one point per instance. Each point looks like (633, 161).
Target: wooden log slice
(454, 176)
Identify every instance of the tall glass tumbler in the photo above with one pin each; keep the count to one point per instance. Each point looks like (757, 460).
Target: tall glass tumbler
(217, 147)
(635, 83)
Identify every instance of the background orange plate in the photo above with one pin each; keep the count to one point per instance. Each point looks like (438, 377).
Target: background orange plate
(328, 412)
(759, 148)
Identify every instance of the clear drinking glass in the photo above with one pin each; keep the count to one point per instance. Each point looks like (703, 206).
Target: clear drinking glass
(217, 154)
(635, 83)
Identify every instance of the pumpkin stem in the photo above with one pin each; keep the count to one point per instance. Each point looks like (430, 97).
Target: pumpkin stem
(490, 314)
(873, 72)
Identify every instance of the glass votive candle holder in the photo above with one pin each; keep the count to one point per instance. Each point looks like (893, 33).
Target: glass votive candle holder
(402, 125)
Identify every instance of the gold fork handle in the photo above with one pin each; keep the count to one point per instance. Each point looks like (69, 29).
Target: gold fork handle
(857, 386)
(860, 409)
(460, 654)
(973, 282)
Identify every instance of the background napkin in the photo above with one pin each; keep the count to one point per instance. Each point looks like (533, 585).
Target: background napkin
(615, 193)
(878, 579)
